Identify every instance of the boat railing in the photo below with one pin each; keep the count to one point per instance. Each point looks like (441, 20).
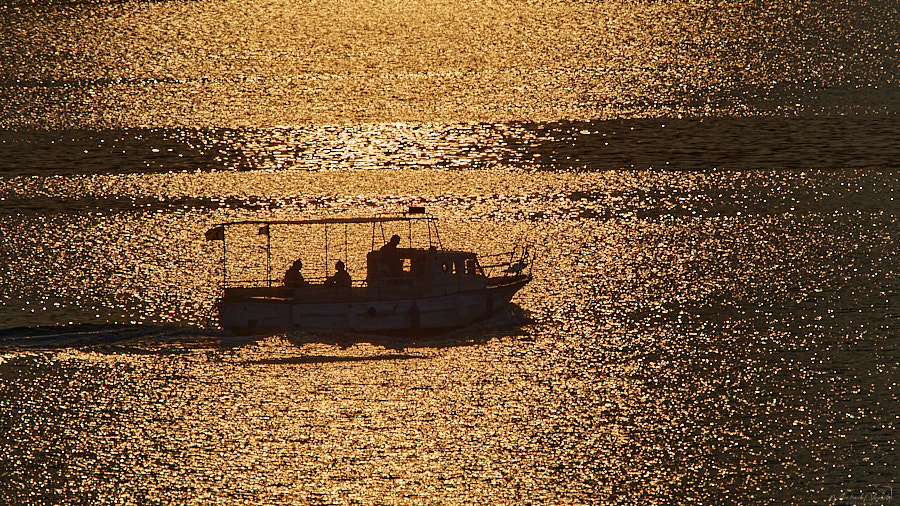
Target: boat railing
(279, 283)
(248, 283)
(516, 262)
(314, 291)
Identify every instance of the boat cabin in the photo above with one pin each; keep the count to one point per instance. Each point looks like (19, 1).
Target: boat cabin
(423, 268)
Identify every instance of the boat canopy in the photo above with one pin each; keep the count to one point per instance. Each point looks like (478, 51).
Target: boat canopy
(415, 215)
(330, 221)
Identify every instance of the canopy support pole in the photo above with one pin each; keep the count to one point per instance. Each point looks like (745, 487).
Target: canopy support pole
(224, 261)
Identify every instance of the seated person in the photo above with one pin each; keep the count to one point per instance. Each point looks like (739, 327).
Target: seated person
(293, 277)
(341, 278)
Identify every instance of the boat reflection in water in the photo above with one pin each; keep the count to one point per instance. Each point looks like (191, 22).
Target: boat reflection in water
(420, 287)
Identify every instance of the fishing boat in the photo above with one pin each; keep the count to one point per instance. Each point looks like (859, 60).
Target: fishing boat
(419, 287)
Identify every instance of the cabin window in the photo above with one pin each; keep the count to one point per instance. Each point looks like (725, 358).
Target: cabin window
(445, 267)
(406, 265)
(471, 266)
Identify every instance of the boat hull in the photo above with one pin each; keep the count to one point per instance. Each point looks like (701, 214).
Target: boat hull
(254, 315)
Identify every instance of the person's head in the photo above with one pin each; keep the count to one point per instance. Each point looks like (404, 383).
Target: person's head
(339, 265)
(298, 263)
(395, 239)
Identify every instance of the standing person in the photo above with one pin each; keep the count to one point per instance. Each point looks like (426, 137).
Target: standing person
(390, 257)
(341, 278)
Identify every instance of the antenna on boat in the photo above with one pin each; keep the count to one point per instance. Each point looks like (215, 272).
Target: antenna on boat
(429, 224)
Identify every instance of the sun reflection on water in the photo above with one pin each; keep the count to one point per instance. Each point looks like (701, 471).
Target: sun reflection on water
(711, 189)
(680, 331)
(230, 63)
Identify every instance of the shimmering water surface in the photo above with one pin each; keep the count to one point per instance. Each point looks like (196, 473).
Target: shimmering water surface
(712, 189)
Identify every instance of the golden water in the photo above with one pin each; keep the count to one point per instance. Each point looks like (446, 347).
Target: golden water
(711, 188)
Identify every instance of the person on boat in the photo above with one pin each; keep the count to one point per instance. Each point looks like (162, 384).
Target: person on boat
(390, 257)
(341, 278)
(293, 277)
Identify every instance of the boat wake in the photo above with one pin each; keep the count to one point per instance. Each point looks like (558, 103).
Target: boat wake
(78, 335)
